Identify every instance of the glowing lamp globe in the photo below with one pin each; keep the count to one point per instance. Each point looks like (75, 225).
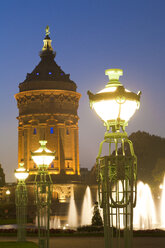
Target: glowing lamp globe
(43, 157)
(115, 105)
(8, 192)
(21, 173)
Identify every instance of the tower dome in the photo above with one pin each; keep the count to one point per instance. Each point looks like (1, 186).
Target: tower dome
(47, 74)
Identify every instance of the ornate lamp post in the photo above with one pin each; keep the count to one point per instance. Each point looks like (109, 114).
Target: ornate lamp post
(42, 158)
(115, 105)
(8, 195)
(21, 201)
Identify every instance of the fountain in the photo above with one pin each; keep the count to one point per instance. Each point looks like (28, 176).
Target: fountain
(42, 221)
(53, 224)
(72, 213)
(144, 212)
(163, 206)
(86, 213)
(56, 222)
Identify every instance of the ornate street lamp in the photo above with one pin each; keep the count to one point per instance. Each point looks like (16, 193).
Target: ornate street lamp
(117, 171)
(21, 201)
(8, 195)
(43, 158)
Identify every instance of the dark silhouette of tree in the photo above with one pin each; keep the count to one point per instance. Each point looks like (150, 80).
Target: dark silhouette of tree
(2, 177)
(158, 172)
(150, 152)
(96, 219)
(148, 149)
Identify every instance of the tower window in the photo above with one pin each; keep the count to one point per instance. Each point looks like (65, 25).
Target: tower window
(68, 165)
(62, 74)
(37, 73)
(51, 130)
(52, 165)
(67, 131)
(35, 131)
(34, 166)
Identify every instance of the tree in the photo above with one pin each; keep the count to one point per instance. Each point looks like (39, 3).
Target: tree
(148, 149)
(2, 177)
(159, 171)
(96, 219)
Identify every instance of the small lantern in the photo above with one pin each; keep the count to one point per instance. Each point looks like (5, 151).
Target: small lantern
(43, 157)
(8, 192)
(21, 173)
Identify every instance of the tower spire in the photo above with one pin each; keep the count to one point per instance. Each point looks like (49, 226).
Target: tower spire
(47, 49)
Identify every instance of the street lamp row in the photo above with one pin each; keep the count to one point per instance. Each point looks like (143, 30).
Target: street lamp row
(42, 157)
(117, 180)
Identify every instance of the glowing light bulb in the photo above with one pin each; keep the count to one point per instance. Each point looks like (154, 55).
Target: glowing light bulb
(8, 192)
(43, 156)
(21, 173)
(160, 186)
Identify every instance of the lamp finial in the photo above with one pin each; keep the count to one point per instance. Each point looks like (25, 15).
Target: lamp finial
(114, 74)
(47, 30)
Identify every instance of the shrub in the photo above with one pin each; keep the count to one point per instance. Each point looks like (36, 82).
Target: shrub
(96, 219)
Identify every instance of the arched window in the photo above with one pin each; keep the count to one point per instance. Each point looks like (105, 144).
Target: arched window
(51, 130)
(35, 131)
(67, 131)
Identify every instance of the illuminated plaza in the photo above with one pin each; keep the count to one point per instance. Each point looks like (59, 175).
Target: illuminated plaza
(82, 128)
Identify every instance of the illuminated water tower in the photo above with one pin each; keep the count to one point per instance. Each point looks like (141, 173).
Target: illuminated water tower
(48, 104)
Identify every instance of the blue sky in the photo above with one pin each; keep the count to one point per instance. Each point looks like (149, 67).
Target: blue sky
(89, 37)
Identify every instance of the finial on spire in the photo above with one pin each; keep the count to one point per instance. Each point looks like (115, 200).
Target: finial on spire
(47, 30)
(47, 49)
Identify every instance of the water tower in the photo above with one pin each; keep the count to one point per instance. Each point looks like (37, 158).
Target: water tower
(48, 104)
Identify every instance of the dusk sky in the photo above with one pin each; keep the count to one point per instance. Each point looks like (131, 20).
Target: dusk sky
(88, 36)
